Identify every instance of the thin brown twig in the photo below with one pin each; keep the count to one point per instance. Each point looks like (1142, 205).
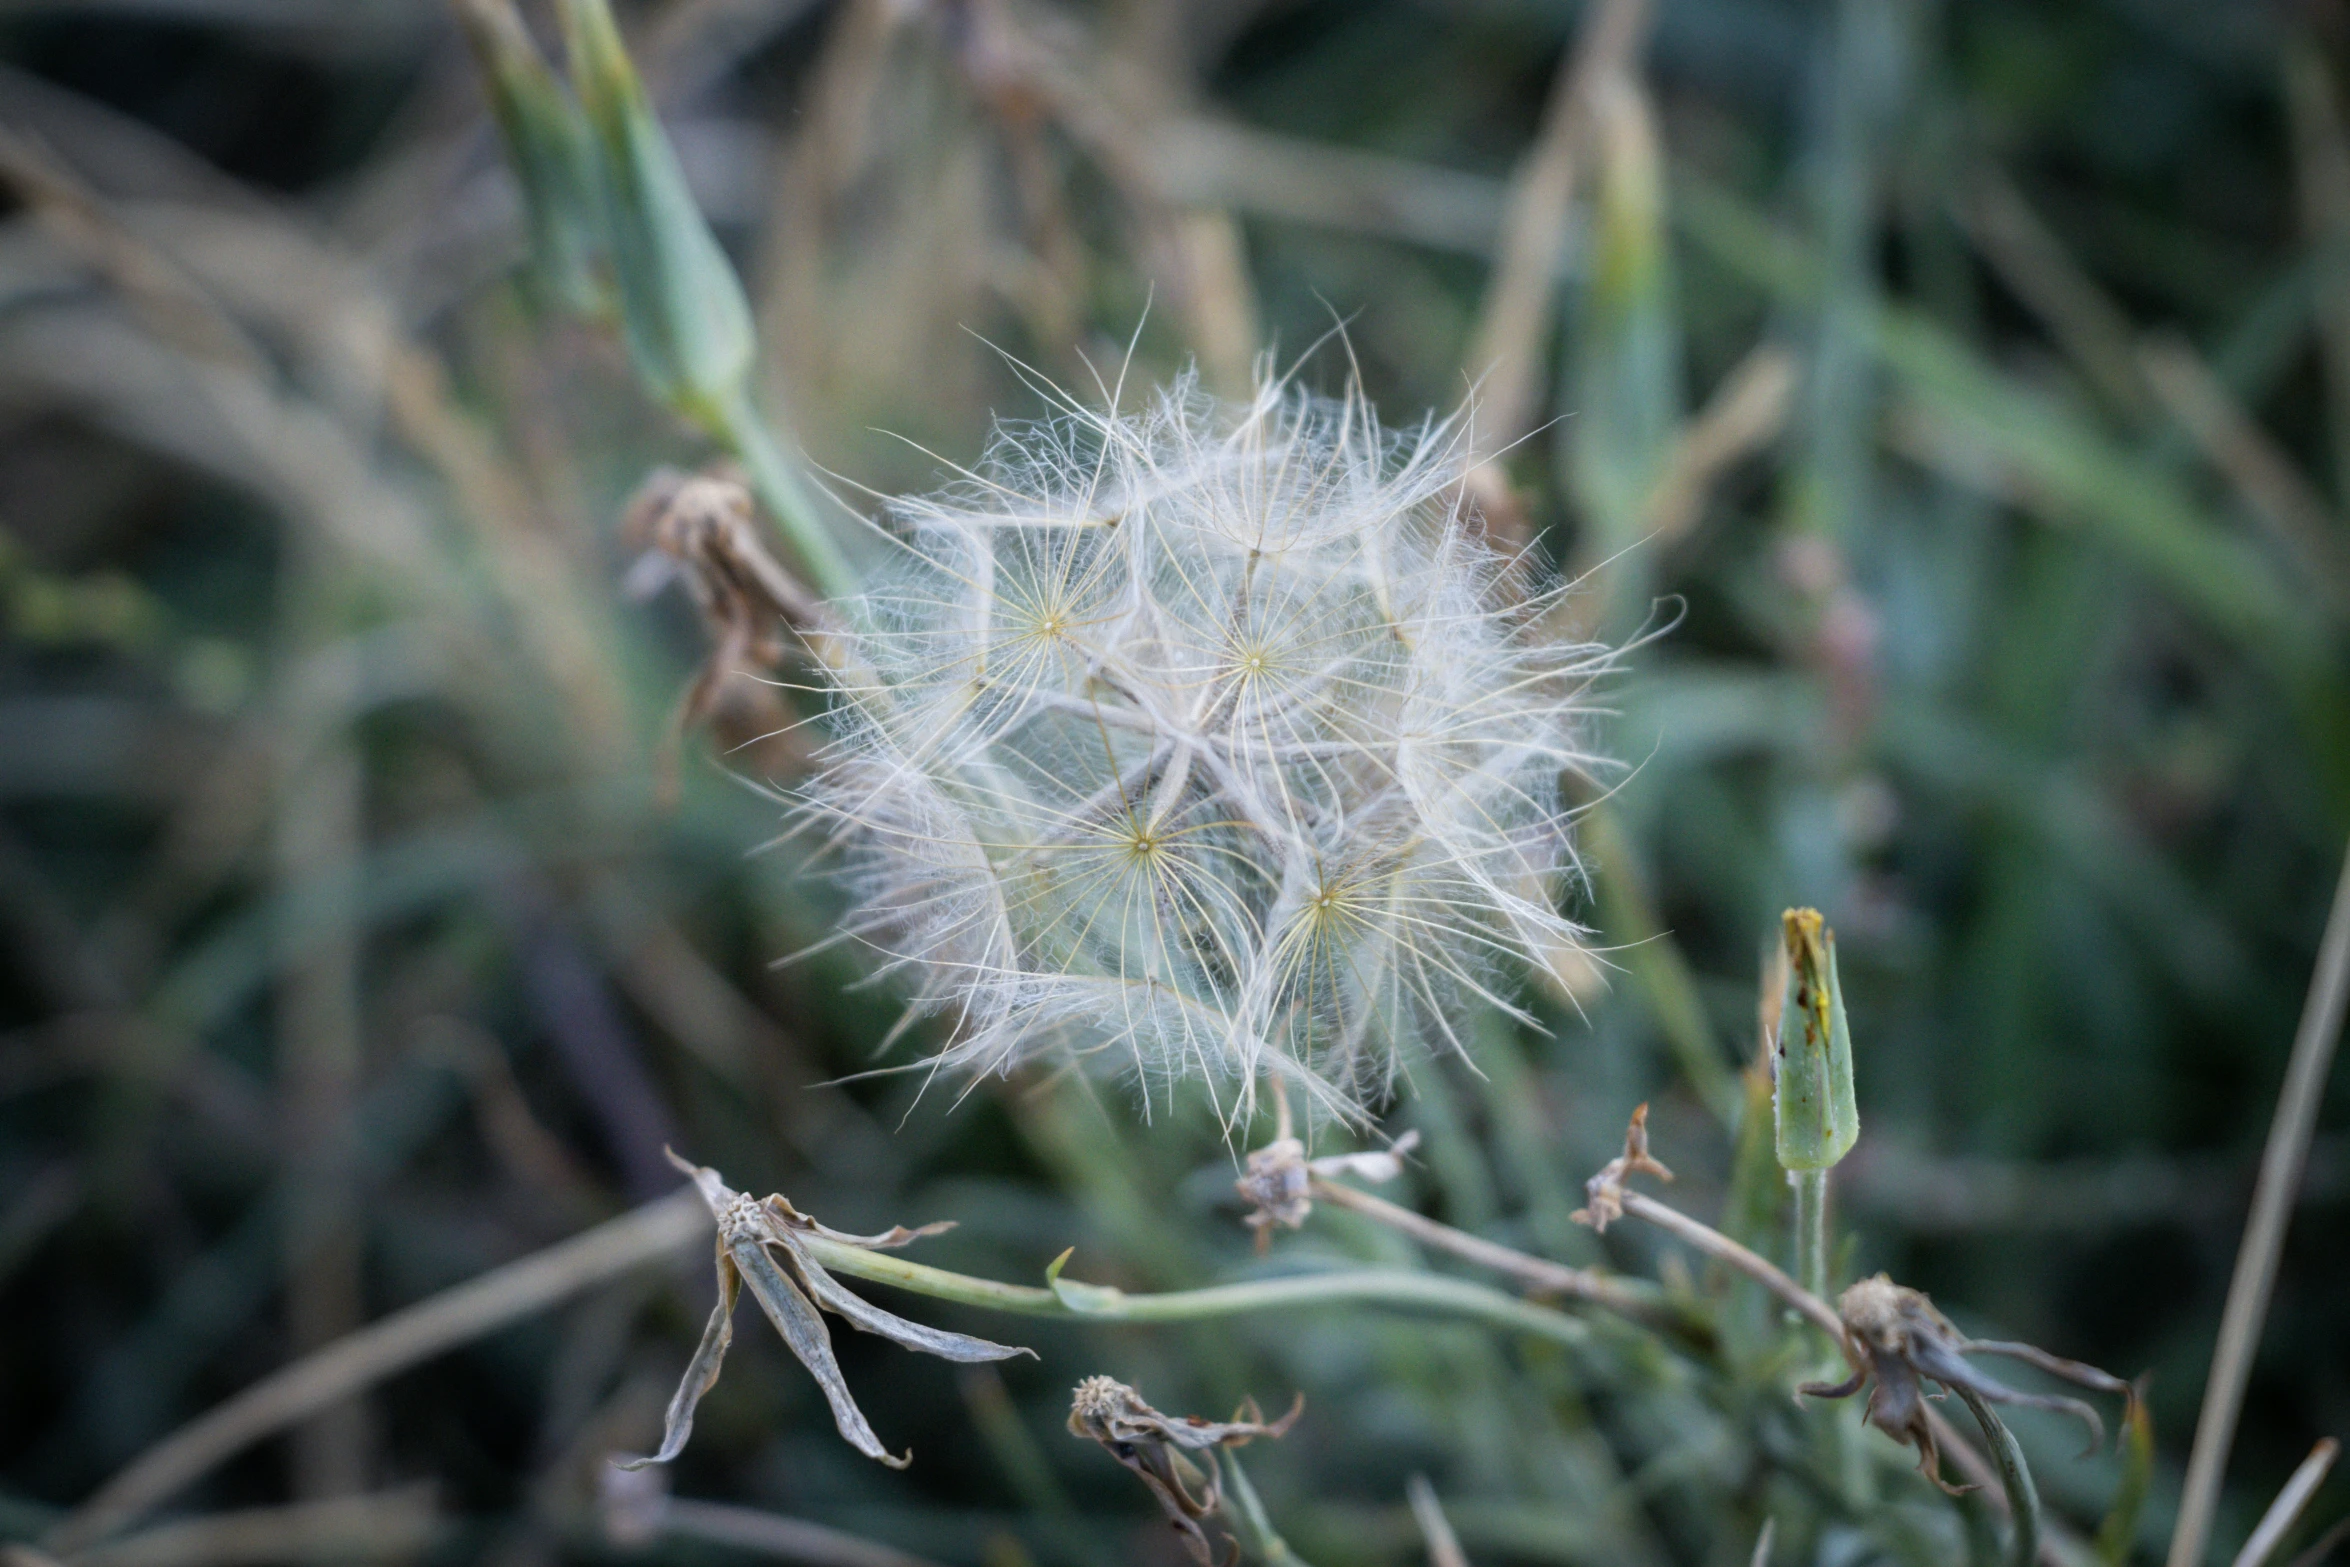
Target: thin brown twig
(1536, 1273)
(2264, 1232)
(440, 1322)
(1639, 1205)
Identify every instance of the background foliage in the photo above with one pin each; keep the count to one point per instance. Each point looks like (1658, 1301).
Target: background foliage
(1955, 398)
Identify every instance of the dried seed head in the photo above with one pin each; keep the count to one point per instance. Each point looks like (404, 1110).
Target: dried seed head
(1155, 1447)
(1209, 741)
(1279, 1178)
(1903, 1341)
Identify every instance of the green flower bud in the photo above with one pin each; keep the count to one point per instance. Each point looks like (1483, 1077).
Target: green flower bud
(1818, 1118)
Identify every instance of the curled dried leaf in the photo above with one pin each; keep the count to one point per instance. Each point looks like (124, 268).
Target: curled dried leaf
(760, 1244)
(1156, 1448)
(1904, 1342)
(1605, 1191)
(700, 529)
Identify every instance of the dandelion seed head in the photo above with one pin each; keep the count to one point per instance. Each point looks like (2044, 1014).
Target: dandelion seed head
(1213, 741)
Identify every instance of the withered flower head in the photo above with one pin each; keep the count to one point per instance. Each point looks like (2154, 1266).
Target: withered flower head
(763, 1244)
(1279, 1177)
(1606, 1189)
(1903, 1341)
(701, 530)
(1154, 1447)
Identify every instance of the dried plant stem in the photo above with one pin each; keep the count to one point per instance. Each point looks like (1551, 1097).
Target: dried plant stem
(2264, 1233)
(1515, 321)
(1444, 1546)
(319, 1049)
(318, 1381)
(1536, 1273)
(773, 1534)
(379, 1526)
(1715, 1244)
(2285, 1511)
(1369, 1286)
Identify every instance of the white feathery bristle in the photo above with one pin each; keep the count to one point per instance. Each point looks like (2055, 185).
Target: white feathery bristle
(1210, 740)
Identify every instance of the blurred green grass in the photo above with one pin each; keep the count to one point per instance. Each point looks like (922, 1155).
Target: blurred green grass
(349, 949)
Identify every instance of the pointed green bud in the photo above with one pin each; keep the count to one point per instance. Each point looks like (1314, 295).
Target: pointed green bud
(682, 308)
(1818, 1118)
(547, 144)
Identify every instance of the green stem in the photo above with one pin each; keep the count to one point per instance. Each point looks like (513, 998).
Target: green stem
(2023, 1499)
(786, 498)
(1092, 1302)
(1266, 1542)
(1811, 1230)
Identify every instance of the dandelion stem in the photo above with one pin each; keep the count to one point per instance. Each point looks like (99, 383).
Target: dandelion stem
(1370, 1286)
(787, 499)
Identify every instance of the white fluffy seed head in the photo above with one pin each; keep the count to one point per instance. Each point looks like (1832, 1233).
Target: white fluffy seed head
(1213, 741)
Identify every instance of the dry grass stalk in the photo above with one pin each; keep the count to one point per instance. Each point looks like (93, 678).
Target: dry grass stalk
(2286, 1510)
(2264, 1232)
(1514, 325)
(652, 1233)
(1444, 1546)
(1746, 412)
(385, 1526)
(638, 1511)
